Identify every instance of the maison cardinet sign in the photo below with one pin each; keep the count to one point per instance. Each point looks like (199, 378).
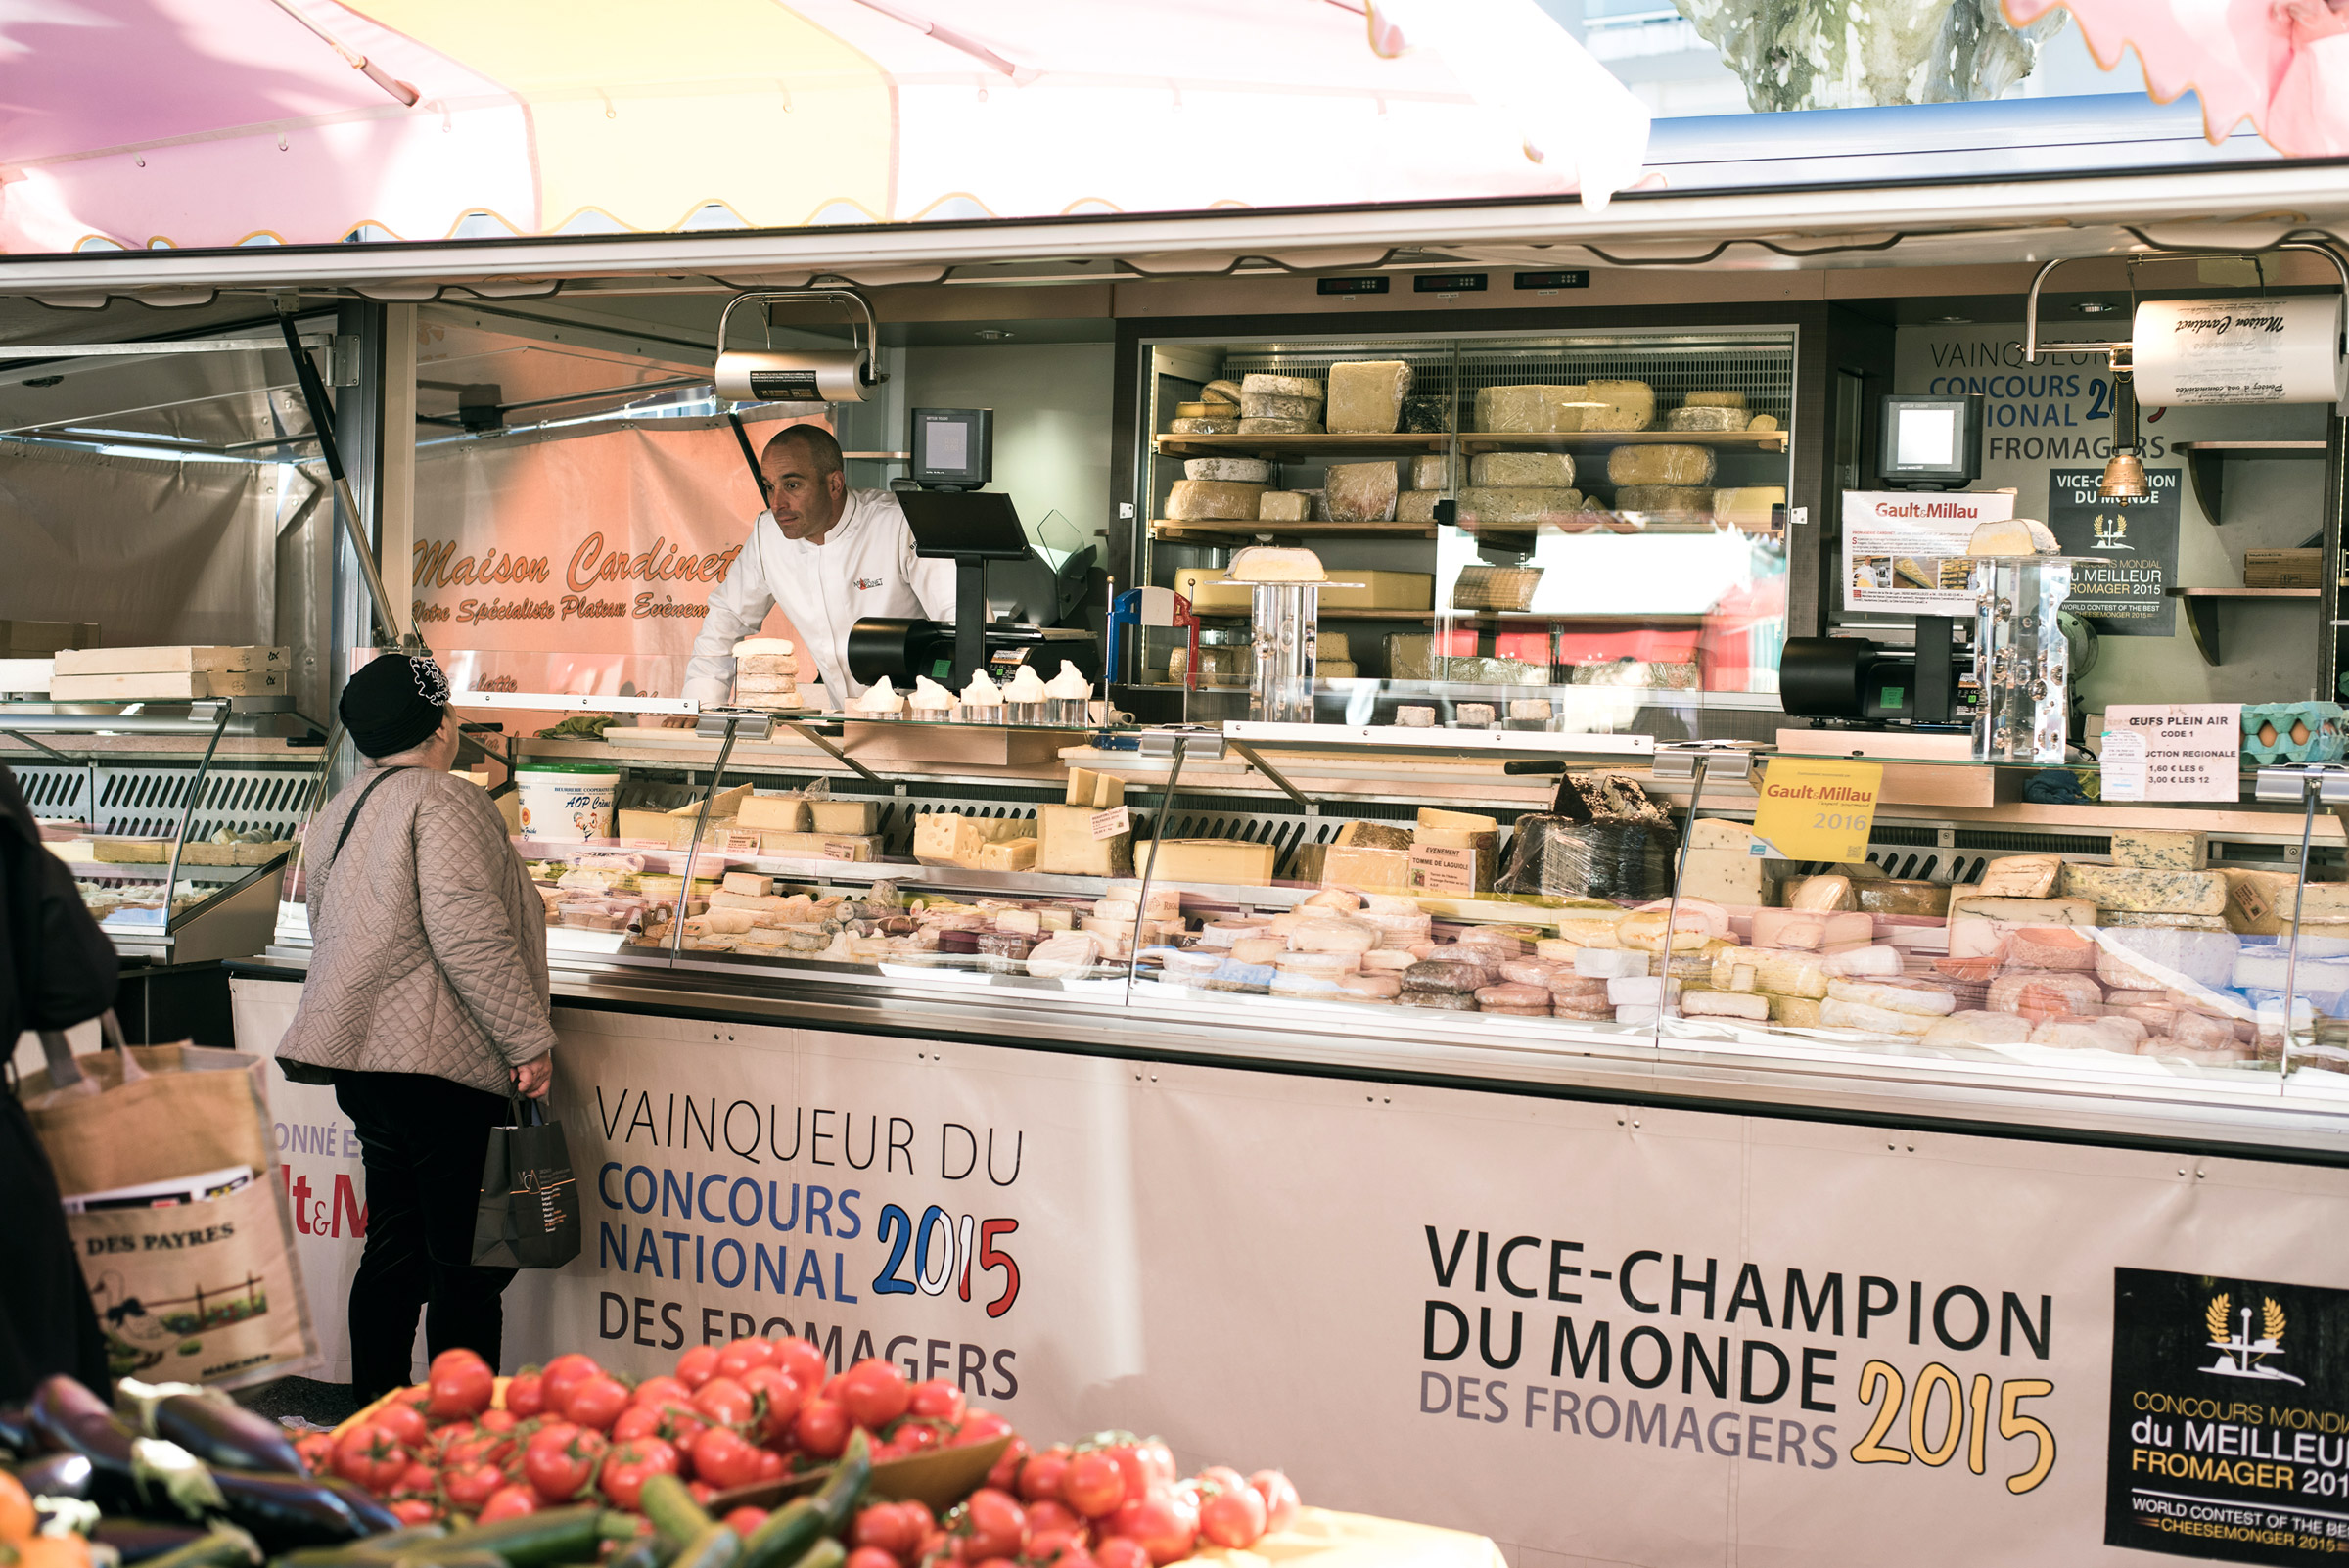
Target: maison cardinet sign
(595, 567)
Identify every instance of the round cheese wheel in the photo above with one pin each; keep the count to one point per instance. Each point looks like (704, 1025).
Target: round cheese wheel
(1451, 1001)
(1514, 995)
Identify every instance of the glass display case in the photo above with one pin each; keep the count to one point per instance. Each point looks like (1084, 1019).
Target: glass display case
(1582, 533)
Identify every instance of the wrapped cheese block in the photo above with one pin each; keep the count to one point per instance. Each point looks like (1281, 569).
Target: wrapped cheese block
(1365, 395)
(1283, 506)
(2090, 1033)
(1672, 501)
(1231, 469)
(1224, 392)
(1264, 406)
(1694, 922)
(1463, 979)
(1370, 987)
(1521, 470)
(1836, 1013)
(2019, 876)
(1714, 400)
(1362, 492)
(1904, 897)
(2197, 1032)
(1263, 384)
(1624, 406)
(1418, 506)
(1896, 996)
(2115, 887)
(1535, 505)
(1439, 1001)
(1750, 1005)
(1795, 1012)
(1206, 427)
(1660, 465)
(1535, 971)
(1427, 416)
(2044, 992)
(2265, 968)
(1511, 996)
(2159, 958)
(1432, 472)
(1530, 410)
(1704, 418)
(1198, 500)
(1979, 1026)
(2049, 947)
(1280, 426)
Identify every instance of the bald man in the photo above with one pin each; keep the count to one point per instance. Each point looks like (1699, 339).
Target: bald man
(829, 556)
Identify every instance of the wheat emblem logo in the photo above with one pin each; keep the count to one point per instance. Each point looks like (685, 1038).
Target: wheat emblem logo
(2240, 1354)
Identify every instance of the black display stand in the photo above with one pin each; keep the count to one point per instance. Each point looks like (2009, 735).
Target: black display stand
(969, 528)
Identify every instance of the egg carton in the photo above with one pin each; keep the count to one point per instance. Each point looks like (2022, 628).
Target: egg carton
(2294, 732)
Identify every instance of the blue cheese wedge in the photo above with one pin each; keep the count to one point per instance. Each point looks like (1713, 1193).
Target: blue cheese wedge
(2159, 850)
(2117, 887)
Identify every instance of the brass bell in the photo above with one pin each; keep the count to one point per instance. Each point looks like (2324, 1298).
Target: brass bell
(2124, 479)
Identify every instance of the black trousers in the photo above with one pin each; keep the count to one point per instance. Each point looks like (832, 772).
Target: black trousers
(422, 1141)
(46, 1323)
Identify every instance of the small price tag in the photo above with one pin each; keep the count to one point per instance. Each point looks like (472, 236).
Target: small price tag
(1818, 808)
(1439, 868)
(1112, 822)
(834, 850)
(2122, 763)
(2247, 898)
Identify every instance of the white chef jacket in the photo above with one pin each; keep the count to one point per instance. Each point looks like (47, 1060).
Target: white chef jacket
(865, 567)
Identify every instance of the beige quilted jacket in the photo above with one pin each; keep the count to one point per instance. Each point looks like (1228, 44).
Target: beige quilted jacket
(428, 941)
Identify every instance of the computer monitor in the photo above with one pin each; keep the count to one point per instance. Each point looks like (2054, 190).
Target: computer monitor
(953, 448)
(1932, 443)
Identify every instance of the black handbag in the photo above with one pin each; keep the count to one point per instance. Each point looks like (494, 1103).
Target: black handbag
(529, 1214)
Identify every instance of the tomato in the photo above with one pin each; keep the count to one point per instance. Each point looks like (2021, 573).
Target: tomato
(745, 1519)
(935, 1548)
(470, 1485)
(1160, 1520)
(697, 1366)
(726, 1458)
(802, 1361)
(596, 1403)
(526, 1396)
(17, 1518)
(660, 1390)
(564, 1373)
(1115, 1552)
(317, 1451)
(508, 1502)
(939, 1401)
(917, 1437)
(821, 1428)
(1050, 1546)
(370, 1456)
(629, 1465)
(743, 1355)
(1232, 1515)
(722, 1402)
(404, 1422)
(981, 1426)
(871, 1558)
(702, 1492)
(414, 1511)
(775, 1398)
(1280, 1498)
(1040, 1476)
(1050, 1513)
(460, 1384)
(418, 1478)
(994, 1562)
(885, 1527)
(561, 1459)
(1006, 1472)
(676, 1424)
(875, 1392)
(1092, 1485)
(991, 1524)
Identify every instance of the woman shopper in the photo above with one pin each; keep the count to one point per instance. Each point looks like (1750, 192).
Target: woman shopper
(425, 1007)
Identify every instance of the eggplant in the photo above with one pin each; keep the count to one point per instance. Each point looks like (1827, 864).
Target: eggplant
(220, 1431)
(15, 1431)
(55, 1475)
(137, 1539)
(285, 1512)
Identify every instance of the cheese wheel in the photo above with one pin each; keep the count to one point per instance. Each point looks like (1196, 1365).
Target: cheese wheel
(1224, 392)
(2044, 994)
(2090, 1033)
(1514, 995)
(1334, 937)
(1270, 405)
(1482, 504)
(1534, 470)
(1438, 975)
(1393, 960)
(1665, 464)
(1204, 427)
(1280, 426)
(1056, 957)
(1713, 399)
(1705, 418)
(1623, 405)
(1375, 986)
(1231, 469)
(1266, 385)
(1837, 1013)
(1201, 500)
(1257, 950)
(1441, 1000)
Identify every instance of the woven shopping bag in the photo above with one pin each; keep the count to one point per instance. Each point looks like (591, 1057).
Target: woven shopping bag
(529, 1214)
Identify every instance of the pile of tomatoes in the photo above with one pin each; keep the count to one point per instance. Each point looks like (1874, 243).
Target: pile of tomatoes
(1111, 1501)
(752, 1411)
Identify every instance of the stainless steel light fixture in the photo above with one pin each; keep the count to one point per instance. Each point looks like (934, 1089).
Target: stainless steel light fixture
(799, 375)
(2125, 470)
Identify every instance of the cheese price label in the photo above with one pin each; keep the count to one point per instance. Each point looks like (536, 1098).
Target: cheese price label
(1112, 822)
(1818, 808)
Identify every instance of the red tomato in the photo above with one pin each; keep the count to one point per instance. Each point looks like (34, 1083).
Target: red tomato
(418, 1478)
(1162, 1521)
(991, 1524)
(697, 1366)
(774, 1400)
(508, 1502)
(629, 1465)
(821, 1428)
(771, 1465)
(470, 1487)
(660, 1390)
(1092, 1485)
(1115, 1552)
(885, 1527)
(403, 1421)
(702, 1492)
(561, 1460)
(994, 1562)
(564, 1373)
(526, 1396)
(935, 1548)
(1050, 1546)
(802, 1361)
(596, 1403)
(982, 1426)
(724, 1459)
(1280, 1498)
(745, 1519)
(460, 1384)
(939, 1401)
(743, 1355)
(676, 1424)
(1219, 1475)
(414, 1511)
(1040, 1476)
(722, 1402)
(1050, 1513)
(874, 1392)
(317, 1451)
(370, 1456)
(871, 1558)
(500, 1421)
(916, 1437)
(1006, 1472)
(1232, 1515)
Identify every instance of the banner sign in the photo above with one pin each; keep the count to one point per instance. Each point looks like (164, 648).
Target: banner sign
(1593, 1332)
(2128, 550)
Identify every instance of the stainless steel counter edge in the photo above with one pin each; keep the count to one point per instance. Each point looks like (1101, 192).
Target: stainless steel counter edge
(2115, 1111)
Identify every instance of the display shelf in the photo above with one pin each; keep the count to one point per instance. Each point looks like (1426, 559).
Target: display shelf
(1734, 441)
(1398, 443)
(2202, 611)
(1222, 530)
(2206, 465)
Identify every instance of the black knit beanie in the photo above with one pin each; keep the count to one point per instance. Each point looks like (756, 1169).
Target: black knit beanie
(393, 702)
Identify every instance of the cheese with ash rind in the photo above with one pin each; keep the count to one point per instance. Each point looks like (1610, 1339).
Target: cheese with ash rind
(1660, 465)
(1700, 417)
(1625, 405)
(1240, 470)
(2115, 887)
(1519, 504)
(1260, 405)
(1198, 500)
(1362, 492)
(1225, 426)
(1664, 500)
(1836, 1013)
(1279, 427)
(2022, 911)
(1427, 416)
(1977, 1026)
(1283, 506)
(1521, 470)
(1431, 471)
(1533, 409)
(2160, 849)
(1417, 506)
(1264, 384)
(1365, 395)
(1903, 897)
(2019, 876)
(1713, 399)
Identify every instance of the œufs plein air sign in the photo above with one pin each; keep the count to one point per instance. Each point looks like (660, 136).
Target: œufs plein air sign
(1818, 808)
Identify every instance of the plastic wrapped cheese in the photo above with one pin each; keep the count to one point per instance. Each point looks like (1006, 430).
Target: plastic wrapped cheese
(1431, 471)
(2044, 994)
(2147, 958)
(1280, 426)
(1903, 897)
(1836, 1013)
(1673, 502)
(1977, 1026)
(1896, 996)
(1530, 410)
(1417, 506)
(1667, 464)
(1234, 470)
(2049, 947)
(1197, 500)
(2090, 1033)
(1264, 384)
(1362, 492)
(1699, 417)
(1224, 392)
(1625, 406)
(1511, 470)
(1264, 406)
(1365, 395)
(1520, 504)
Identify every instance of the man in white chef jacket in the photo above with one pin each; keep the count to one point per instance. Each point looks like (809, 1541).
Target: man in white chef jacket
(829, 556)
